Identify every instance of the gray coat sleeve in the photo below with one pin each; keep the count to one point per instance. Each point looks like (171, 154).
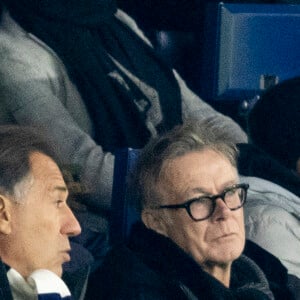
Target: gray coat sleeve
(195, 108)
(31, 93)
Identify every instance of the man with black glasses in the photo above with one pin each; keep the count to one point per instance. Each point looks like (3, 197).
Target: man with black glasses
(189, 244)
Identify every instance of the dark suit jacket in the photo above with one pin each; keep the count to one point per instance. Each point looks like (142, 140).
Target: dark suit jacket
(5, 292)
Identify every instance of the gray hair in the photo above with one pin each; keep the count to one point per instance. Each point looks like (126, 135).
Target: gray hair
(20, 189)
(183, 139)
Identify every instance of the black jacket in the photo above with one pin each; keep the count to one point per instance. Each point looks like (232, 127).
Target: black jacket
(253, 161)
(5, 292)
(153, 267)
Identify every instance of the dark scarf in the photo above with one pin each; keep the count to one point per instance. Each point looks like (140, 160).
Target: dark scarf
(5, 292)
(152, 266)
(163, 256)
(86, 35)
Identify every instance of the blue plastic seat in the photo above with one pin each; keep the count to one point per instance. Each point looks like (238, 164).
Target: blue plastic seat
(123, 213)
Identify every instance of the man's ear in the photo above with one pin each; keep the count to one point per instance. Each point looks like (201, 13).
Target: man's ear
(153, 220)
(5, 216)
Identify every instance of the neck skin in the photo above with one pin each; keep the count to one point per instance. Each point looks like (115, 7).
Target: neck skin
(220, 272)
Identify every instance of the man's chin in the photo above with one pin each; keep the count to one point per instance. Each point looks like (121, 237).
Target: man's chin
(227, 256)
(58, 271)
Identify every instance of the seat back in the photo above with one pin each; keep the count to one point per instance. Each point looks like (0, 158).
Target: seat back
(123, 214)
(245, 48)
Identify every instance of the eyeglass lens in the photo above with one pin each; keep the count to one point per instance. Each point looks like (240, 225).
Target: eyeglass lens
(204, 206)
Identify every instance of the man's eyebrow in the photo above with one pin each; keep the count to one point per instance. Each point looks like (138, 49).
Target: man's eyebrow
(60, 188)
(190, 194)
(205, 192)
(199, 190)
(230, 183)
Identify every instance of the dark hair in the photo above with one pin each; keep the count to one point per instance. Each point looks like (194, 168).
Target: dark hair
(274, 122)
(190, 137)
(16, 145)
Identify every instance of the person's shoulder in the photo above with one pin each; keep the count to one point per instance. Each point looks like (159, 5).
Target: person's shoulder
(124, 275)
(262, 214)
(270, 193)
(270, 210)
(121, 261)
(20, 50)
(268, 222)
(121, 275)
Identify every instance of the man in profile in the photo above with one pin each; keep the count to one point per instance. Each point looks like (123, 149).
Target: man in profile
(35, 219)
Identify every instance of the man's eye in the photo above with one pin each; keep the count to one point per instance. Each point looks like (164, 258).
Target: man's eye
(203, 200)
(231, 192)
(59, 203)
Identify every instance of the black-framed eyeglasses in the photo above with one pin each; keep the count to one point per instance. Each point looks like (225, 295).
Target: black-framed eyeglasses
(201, 208)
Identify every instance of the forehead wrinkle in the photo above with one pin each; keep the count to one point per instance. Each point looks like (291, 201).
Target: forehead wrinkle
(169, 176)
(225, 185)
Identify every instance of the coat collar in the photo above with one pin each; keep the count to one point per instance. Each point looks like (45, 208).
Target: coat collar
(5, 292)
(163, 256)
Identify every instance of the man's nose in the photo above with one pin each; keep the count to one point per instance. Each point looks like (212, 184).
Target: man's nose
(71, 226)
(221, 209)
